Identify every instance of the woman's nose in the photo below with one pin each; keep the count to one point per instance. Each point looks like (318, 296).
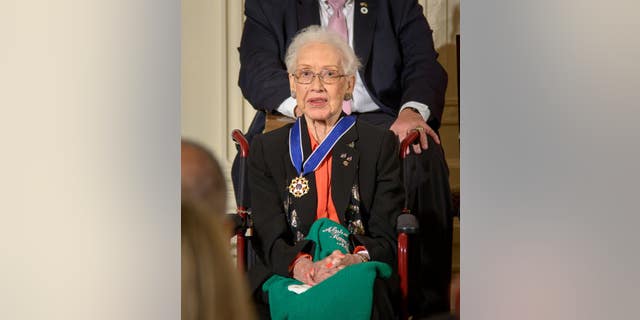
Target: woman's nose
(316, 83)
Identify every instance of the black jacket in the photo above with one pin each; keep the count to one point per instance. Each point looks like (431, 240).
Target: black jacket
(365, 158)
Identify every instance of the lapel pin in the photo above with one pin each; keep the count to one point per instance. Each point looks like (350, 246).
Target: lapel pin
(363, 8)
(349, 158)
(351, 145)
(345, 163)
(342, 156)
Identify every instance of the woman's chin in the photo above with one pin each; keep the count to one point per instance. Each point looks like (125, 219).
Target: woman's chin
(318, 114)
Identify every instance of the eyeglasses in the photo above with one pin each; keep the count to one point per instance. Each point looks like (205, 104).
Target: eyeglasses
(326, 76)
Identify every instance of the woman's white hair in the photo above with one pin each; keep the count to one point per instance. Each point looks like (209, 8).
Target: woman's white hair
(318, 34)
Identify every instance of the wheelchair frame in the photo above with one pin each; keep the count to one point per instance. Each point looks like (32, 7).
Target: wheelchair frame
(407, 223)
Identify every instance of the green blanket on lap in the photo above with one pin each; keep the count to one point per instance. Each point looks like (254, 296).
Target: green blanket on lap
(347, 294)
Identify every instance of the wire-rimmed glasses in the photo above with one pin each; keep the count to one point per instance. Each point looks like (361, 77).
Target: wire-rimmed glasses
(327, 76)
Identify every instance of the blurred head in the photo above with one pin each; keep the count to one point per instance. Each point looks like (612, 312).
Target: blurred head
(322, 70)
(203, 185)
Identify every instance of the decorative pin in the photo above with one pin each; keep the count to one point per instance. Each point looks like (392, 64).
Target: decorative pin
(364, 10)
(342, 156)
(299, 187)
(345, 163)
(351, 145)
(363, 4)
(349, 158)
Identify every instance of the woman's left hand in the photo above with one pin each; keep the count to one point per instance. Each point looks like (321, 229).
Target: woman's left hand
(346, 260)
(325, 268)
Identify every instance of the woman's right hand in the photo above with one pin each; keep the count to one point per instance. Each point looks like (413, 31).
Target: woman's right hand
(312, 273)
(304, 271)
(327, 267)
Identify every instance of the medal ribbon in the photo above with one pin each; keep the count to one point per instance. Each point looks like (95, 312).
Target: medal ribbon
(317, 156)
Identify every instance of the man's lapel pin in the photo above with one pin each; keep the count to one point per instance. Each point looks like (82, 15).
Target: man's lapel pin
(363, 8)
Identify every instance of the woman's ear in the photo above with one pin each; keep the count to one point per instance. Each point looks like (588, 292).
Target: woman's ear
(292, 83)
(351, 82)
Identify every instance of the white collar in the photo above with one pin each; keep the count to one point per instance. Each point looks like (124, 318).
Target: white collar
(326, 6)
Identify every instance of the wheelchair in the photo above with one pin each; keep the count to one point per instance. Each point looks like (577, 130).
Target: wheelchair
(407, 224)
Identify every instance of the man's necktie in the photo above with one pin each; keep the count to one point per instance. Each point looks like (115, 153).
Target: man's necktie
(338, 23)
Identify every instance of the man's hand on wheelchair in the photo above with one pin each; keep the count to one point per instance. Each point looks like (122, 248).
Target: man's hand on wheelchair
(408, 120)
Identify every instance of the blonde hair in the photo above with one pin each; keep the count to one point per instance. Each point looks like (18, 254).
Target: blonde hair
(212, 287)
(318, 34)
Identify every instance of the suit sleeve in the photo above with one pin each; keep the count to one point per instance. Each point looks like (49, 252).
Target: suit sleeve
(380, 240)
(263, 76)
(273, 240)
(423, 78)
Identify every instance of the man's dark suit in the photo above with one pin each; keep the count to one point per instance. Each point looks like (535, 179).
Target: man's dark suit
(365, 157)
(393, 41)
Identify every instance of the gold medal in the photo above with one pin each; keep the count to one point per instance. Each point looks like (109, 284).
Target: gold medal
(299, 187)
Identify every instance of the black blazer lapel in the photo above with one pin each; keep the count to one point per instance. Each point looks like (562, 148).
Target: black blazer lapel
(345, 159)
(308, 13)
(364, 22)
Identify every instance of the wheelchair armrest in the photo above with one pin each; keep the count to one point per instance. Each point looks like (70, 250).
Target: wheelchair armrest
(407, 223)
(239, 138)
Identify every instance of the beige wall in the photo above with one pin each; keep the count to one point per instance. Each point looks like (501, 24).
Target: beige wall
(212, 104)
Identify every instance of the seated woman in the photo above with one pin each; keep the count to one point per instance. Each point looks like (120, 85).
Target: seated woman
(327, 172)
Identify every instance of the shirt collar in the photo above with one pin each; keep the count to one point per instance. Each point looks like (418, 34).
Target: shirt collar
(325, 4)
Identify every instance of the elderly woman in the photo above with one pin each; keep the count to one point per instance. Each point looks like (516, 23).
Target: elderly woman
(326, 167)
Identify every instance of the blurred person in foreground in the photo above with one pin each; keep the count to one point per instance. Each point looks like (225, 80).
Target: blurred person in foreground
(203, 183)
(203, 186)
(211, 285)
(326, 192)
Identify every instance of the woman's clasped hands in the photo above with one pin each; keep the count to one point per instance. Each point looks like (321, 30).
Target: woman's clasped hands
(312, 273)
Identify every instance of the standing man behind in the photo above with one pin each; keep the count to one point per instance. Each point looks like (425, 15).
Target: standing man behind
(401, 87)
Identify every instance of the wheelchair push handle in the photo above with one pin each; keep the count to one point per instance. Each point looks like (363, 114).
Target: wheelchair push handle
(406, 143)
(240, 140)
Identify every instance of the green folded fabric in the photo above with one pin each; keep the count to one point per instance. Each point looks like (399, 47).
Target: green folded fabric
(346, 295)
(328, 236)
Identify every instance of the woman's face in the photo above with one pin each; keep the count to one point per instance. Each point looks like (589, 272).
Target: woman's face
(318, 100)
